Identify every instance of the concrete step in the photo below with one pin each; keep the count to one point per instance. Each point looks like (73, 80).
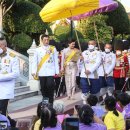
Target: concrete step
(24, 103)
(17, 83)
(22, 95)
(21, 89)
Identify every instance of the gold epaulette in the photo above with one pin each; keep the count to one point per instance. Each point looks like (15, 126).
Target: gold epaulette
(12, 54)
(52, 46)
(5, 72)
(120, 57)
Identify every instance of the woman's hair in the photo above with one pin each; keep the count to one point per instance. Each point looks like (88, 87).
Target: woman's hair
(48, 117)
(123, 98)
(86, 114)
(110, 104)
(71, 40)
(92, 100)
(59, 106)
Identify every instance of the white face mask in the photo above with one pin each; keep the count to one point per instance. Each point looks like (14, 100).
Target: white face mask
(91, 47)
(107, 50)
(1, 51)
(118, 53)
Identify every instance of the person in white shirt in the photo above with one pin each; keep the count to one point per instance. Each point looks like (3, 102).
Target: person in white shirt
(92, 60)
(105, 71)
(9, 71)
(47, 57)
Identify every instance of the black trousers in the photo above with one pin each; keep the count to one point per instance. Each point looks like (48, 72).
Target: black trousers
(119, 83)
(60, 85)
(47, 87)
(3, 106)
(78, 81)
(57, 83)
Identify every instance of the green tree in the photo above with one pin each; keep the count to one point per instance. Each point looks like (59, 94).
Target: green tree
(118, 19)
(63, 33)
(21, 42)
(41, 3)
(87, 28)
(24, 17)
(5, 6)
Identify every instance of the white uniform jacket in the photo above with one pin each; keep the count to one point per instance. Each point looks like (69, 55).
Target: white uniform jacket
(51, 65)
(92, 61)
(9, 71)
(108, 61)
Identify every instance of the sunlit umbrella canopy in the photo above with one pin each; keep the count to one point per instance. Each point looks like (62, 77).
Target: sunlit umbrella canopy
(58, 9)
(105, 6)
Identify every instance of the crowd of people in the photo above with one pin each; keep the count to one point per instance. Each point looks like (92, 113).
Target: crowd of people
(103, 77)
(90, 116)
(101, 72)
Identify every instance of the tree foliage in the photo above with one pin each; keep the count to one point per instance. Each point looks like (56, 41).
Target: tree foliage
(21, 41)
(25, 18)
(118, 19)
(5, 6)
(86, 27)
(41, 3)
(63, 33)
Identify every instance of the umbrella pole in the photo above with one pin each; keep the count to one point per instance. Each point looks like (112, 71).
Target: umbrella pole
(81, 52)
(71, 34)
(59, 86)
(95, 28)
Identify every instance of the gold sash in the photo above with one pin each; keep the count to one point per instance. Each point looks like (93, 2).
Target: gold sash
(43, 60)
(69, 57)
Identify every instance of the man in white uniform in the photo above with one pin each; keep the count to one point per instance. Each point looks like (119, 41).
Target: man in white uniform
(9, 71)
(46, 57)
(92, 60)
(105, 71)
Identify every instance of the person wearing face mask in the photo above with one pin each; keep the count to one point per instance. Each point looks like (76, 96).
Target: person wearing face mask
(9, 71)
(120, 70)
(90, 63)
(44, 67)
(69, 65)
(105, 72)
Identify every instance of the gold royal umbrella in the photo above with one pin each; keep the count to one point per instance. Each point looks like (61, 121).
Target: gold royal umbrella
(58, 9)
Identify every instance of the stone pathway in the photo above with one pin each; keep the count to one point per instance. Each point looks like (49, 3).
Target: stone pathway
(27, 107)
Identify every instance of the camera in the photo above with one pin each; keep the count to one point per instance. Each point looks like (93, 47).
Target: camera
(128, 124)
(70, 123)
(3, 125)
(45, 102)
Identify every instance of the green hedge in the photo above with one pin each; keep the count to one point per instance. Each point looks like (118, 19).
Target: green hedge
(22, 41)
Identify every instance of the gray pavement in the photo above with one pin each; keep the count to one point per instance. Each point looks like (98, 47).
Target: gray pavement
(27, 107)
(24, 103)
